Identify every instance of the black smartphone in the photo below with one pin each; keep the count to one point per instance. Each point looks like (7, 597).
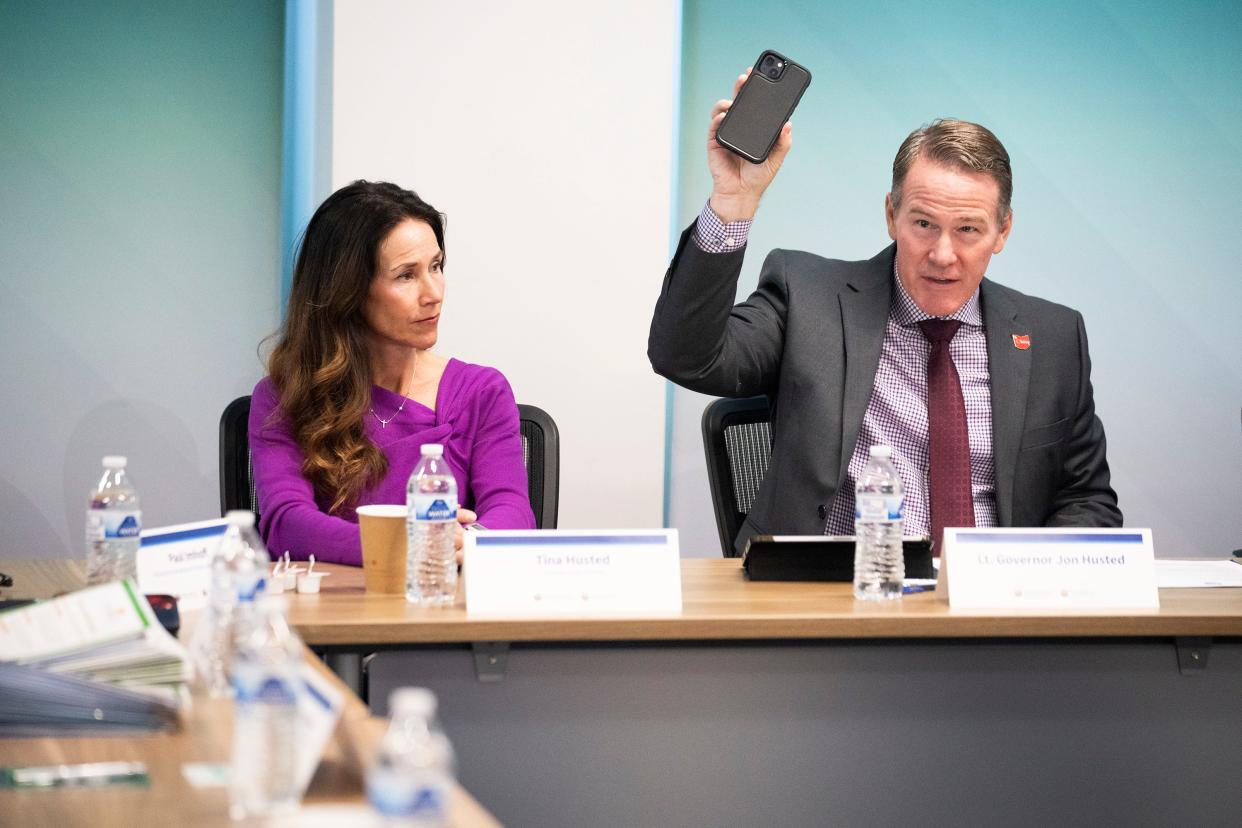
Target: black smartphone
(762, 106)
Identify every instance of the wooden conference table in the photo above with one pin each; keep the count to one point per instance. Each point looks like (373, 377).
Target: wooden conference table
(720, 604)
(792, 704)
(204, 736)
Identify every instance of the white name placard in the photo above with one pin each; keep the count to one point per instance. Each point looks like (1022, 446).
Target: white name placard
(176, 560)
(319, 706)
(1048, 569)
(573, 572)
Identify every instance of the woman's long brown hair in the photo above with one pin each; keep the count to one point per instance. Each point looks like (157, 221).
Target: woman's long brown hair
(320, 365)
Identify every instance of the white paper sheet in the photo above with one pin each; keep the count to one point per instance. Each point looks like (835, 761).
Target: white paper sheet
(1171, 574)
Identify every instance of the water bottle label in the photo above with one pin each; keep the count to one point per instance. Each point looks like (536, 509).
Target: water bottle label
(249, 584)
(434, 507)
(276, 691)
(263, 689)
(107, 524)
(878, 507)
(428, 802)
(422, 795)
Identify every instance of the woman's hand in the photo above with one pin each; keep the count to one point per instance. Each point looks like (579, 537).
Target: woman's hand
(737, 184)
(465, 517)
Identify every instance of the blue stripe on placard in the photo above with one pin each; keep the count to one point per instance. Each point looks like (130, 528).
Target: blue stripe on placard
(184, 535)
(484, 539)
(1004, 537)
(317, 696)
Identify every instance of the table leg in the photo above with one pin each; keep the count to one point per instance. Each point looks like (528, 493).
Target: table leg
(348, 667)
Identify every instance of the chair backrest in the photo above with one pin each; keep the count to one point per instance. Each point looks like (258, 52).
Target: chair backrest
(541, 452)
(236, 479)
(737, 439)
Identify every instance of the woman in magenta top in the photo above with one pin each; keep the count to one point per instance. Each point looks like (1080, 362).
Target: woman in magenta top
(353, 389)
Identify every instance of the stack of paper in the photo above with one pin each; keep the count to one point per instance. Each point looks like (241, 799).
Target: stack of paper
(106, 633)
(35, 702)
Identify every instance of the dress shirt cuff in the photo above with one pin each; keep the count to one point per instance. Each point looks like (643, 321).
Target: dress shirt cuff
(711, 235)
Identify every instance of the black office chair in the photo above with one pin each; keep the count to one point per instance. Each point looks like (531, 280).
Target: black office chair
(236, 479)
(541, 452)
(737, 439)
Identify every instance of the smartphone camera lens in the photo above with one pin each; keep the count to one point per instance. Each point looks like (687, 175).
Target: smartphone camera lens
(771, 66)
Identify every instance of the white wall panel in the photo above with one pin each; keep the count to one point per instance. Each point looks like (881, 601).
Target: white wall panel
(545, 130)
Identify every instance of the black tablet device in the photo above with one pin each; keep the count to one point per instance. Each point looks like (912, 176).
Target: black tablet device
(821, 558)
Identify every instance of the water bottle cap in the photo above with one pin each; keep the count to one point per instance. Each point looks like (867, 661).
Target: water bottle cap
(418, 701)
(240, 518)
(881, 452)
(433, 449)
(115, 461)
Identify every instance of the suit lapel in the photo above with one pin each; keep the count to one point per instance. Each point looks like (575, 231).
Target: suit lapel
(864, 315)
(1009, 370)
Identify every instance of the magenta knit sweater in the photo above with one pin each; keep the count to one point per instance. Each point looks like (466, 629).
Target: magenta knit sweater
(476, 420)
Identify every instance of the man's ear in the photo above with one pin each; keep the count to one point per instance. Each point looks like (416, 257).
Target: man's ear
(1003, 236)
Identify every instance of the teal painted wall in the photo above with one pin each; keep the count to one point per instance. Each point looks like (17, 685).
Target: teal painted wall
(1123, 122)
(139, 248)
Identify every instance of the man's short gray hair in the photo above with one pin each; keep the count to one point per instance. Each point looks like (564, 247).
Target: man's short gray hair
(961, 145)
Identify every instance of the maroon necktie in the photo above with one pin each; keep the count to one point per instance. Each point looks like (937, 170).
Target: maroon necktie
(948, 448)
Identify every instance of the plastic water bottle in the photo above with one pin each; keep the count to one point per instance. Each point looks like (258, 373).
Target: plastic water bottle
(238, 569)
(263, 776)
(410, 780)
(248, 565)
(879, 566)
(113, 521)
(431, 524)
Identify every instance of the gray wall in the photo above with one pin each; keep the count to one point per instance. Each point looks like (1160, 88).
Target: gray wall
(139, 252)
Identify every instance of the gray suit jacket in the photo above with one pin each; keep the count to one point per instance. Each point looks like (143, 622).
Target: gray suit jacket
(809, 338)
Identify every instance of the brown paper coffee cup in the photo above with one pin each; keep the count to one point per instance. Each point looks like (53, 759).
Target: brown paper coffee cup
(383, 548)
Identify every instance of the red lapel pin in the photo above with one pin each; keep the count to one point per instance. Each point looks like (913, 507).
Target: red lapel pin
(1022, 342)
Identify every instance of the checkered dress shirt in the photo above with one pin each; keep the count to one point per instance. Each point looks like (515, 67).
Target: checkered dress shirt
(897, 411)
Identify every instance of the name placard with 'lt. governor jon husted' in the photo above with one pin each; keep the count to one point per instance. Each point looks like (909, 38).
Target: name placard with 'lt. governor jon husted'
(1048, 569)
(572, 572)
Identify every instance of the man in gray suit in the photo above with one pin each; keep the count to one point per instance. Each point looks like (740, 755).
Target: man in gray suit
(984, 393)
